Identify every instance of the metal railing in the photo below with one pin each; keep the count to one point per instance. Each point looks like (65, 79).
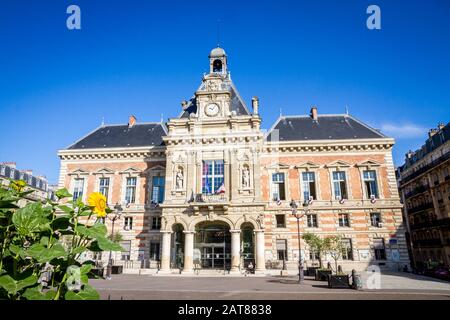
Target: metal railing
(210, 198)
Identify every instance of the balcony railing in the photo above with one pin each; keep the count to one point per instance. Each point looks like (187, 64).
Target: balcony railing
(440, 223)
(421, 207)
(424, 169)
(210, 198)
(416, 191)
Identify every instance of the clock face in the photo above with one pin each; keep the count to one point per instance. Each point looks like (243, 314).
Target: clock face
(212, 109)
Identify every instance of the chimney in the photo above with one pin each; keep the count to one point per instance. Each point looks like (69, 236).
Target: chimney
(441, 126)
(409, 154)
(28, 171)
(131, 121)
(314, 113)
(432, 132)
(255, 105)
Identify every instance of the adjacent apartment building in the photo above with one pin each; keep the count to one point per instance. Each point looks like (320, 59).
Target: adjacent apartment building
(210, 189)
(424, 182)
(39, 184)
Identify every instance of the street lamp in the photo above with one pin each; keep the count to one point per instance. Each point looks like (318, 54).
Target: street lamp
(113, 216)
(298, 216)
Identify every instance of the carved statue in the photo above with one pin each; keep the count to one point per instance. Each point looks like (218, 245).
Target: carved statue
(246, 178)
(179, 179)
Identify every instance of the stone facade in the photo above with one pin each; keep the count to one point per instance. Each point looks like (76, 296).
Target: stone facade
(424, 182)
(226, 178)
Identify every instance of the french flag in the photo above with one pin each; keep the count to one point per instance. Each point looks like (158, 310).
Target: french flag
(221, 189)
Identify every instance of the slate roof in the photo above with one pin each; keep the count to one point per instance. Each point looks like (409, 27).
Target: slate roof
(327, 127)
(236, 105)
(115, 136)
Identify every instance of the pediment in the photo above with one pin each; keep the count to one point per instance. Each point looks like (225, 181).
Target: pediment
(278, 166)
(368, 163)
(104, 171)
(338, 164)
(130, 171)
(78, 172)
(308, 165)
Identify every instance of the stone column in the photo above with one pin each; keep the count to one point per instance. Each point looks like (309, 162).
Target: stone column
(188, 251)
(165, 255)
(235, 250)
(260, 260)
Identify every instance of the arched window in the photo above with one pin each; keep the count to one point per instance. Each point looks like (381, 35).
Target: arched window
(217, 65)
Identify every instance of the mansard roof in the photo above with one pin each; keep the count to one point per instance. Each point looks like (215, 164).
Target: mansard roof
(123, 136)
(326, 127)
(237, 104)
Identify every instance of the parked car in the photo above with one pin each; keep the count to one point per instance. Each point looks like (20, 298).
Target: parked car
(442, 273)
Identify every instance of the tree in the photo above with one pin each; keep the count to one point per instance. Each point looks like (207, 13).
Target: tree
(335, 248)
(316, 244)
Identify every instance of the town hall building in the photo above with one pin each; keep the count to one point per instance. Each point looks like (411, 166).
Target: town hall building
(210, 189)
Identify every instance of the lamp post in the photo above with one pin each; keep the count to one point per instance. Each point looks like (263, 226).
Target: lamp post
(113, 216)
(298, 216)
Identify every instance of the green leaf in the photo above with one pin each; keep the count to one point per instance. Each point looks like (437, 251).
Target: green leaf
(108, 245)
(95, 231)
(8, 283)
(36, 293)
(43, 254)
(63, 193)
(8, 204)
(66, 209)
(31, 219)
(85, 268)
(79, 250)
(61, 223)
(87, 293)
(12, 286)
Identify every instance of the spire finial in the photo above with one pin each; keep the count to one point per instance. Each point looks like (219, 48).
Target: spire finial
(346, 109)
(218, 33)
(103, 122)
(281, 113)
(162, 117)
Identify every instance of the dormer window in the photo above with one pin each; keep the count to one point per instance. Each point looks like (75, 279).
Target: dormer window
(217, 65)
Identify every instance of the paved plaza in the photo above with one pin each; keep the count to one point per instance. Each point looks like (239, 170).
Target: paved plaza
(402, 286)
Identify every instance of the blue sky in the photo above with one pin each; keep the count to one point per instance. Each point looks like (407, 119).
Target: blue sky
(145, 57)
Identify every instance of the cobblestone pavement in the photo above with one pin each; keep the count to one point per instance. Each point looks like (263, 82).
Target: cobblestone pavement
(144, 287)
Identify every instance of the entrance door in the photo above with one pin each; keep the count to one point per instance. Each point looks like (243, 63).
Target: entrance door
(213, 241)
(219, 258)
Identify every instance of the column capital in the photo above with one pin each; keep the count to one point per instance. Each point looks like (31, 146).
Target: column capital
(235, 230)
(166, 231)
(258, 230)
(188, 232)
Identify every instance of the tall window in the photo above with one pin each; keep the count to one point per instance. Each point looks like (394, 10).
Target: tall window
(104, 187)
(347, 251)
(278, 187)
(156, 223)
(375, 219)
(78, 185)
(309, 185)
(340, 185)
(311, 220)
(158, 189)
(212, 178)
(128, 223)
(130, 190)
(379, 249)
(281, 220)
(281, 249)
(126, 253)
(154, 250)
(370, 183)
(343, 220)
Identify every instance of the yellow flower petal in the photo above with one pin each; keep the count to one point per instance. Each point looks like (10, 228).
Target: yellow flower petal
(98, 202)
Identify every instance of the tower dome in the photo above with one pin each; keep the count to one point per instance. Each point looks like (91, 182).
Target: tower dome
(217, 52)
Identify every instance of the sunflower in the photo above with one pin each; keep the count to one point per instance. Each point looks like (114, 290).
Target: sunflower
(98, 202)
(18, 185)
